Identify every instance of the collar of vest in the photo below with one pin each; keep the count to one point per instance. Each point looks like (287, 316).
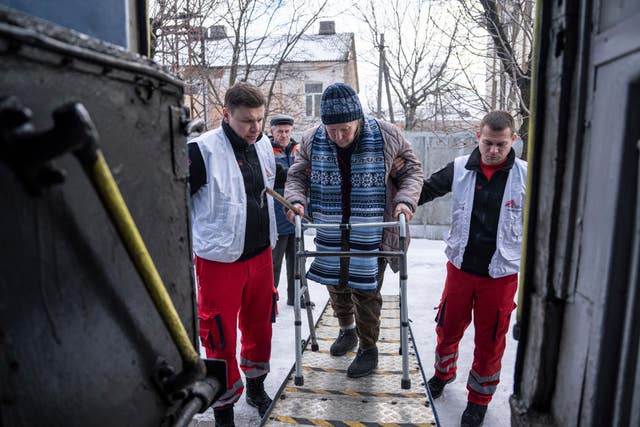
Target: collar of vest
(236, 142)
(474, 161)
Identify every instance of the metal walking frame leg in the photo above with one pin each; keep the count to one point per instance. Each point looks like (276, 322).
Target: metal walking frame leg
(298, 380)
(301, 288)
(405, 383)
(309, 307)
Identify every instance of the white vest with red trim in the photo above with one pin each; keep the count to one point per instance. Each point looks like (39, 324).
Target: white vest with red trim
(219, 208)
(506, 259)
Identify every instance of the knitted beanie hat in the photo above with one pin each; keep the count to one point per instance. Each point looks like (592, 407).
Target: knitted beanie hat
(340, 104)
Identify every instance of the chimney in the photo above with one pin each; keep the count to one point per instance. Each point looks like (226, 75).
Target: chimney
(327, 28)
(217, 32)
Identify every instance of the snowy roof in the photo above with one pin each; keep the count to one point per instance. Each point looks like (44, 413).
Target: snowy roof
(267, 51)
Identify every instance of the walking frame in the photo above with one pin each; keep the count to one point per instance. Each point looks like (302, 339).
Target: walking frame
(302, 290)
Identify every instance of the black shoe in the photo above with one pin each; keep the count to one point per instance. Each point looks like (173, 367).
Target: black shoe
(224, 416)
(473, 415)
(256, 396)
(311, 303)
(436, 385)
(347, 340)
(364, 363)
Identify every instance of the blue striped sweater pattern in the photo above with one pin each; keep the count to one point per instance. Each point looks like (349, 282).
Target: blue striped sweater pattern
(367, 201)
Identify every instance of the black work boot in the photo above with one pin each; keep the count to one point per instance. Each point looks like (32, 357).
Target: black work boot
(224, 416)
(364, 363)
(256, 396)
(436, 385)
(473, 415)
(347, 340)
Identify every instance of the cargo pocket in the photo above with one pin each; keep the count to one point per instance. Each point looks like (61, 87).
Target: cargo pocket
(441, 312)
(274, 306)
(503, 318)
(211, 333)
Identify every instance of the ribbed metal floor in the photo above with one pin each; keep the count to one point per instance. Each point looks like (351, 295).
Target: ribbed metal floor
(329, 398)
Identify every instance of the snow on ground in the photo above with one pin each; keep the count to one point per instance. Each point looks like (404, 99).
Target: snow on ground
(426, 273)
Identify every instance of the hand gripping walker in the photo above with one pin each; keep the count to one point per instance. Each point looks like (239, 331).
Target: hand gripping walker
(301, 288)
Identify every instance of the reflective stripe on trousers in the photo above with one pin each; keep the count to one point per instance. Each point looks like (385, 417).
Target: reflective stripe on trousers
(240, 292)
(491, 303)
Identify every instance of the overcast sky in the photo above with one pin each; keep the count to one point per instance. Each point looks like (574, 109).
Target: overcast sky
(347, 19)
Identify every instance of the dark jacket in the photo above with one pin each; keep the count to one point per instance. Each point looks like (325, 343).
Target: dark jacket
(284, 157)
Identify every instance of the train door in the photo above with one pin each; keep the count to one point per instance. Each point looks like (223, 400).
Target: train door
(578, 356)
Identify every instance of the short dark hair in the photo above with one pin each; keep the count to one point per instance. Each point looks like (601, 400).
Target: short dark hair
(243, 94)
(498, 120)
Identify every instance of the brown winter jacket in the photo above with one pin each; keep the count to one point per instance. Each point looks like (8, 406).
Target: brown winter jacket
(409, 179)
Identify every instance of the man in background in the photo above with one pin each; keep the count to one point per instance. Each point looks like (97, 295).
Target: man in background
(284, 149)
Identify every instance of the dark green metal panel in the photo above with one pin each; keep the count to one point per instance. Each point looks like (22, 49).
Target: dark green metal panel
(79, 336)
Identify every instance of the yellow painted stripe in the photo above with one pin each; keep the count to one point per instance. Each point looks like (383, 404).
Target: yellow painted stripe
(350, 423)
(319, 422)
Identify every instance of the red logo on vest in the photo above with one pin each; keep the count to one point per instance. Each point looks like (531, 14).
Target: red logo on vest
(510, 204)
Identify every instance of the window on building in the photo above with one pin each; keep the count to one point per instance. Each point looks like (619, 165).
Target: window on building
(313, 94)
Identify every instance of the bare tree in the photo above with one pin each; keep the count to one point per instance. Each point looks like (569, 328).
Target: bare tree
(296, 28)
(259, 56)
(417, 53)
(178, 29)
(178, 32)
(262, 35)
(509, 26)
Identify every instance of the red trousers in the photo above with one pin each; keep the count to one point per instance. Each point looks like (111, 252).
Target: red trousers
(231, 296)
(491, 302)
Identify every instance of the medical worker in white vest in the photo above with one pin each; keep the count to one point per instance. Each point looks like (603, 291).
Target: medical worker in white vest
(483, 248)
(234, 229)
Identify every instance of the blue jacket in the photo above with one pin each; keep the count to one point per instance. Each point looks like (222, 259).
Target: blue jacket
(286, 157)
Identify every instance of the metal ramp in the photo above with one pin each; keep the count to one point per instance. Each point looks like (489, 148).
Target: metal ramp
(329, 398)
